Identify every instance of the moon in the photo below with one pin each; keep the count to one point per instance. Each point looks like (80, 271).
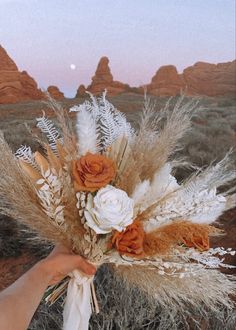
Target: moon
(73, 66)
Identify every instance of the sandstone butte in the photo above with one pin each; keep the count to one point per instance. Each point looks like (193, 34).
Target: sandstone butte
(102, 80)
(200, 79)
(55, 93)
(15, 86)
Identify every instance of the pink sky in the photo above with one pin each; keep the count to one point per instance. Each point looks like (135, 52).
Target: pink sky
(45, 37)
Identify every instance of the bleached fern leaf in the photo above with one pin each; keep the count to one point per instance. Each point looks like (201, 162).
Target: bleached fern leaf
(107, 126)
(92, 106)
(197, 200)
(213, 258)
(25, 153)
(213, 176)
(110, 123)
(199, 207)
(75, 108)
(86, 131)
(47, 127)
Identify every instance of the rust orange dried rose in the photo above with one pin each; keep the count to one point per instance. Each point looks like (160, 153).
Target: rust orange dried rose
(92, 172)
(130, 241)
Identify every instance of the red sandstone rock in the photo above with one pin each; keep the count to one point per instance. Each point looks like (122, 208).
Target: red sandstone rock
(103, 79)
(211, 79)
(81, 91)
(15, 86)
(199, 79)
(55, 93)
(6, 63)
(166, 82)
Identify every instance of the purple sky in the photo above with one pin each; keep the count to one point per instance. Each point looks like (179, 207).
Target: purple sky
(45, 37)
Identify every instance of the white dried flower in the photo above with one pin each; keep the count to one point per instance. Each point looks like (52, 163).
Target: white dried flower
(110, 209)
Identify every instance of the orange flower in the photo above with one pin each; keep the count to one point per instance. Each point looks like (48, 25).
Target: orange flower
(130, 241)
(92, 172)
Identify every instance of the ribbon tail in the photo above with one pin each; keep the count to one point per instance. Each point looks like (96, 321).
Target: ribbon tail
(77, 309)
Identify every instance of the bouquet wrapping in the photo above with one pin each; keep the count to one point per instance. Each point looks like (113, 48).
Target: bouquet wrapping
(107, 192)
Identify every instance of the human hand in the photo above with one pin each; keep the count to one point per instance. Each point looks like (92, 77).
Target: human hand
(60, 262)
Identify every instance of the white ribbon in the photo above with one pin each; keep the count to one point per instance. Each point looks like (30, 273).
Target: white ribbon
(77, 310)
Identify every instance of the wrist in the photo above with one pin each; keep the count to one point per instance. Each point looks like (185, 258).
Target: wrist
(45, 271)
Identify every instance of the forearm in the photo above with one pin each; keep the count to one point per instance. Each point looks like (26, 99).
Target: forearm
(19, 302)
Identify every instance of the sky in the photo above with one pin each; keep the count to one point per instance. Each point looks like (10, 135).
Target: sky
(44, 37)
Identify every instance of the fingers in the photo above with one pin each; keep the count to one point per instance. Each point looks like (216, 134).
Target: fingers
(72, 261)
(84, 266)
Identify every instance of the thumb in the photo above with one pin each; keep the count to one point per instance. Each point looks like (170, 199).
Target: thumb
(82, 265)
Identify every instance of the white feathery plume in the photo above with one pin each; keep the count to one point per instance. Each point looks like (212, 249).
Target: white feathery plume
(86, 131)
(47, 127)
(139, 193)
(162, 184)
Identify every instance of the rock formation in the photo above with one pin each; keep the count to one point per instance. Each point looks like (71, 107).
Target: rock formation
(81, 91)
(15, 86)
(199, 79)
(103, 79)
(211, 79)
(55, 93)
(166, 82)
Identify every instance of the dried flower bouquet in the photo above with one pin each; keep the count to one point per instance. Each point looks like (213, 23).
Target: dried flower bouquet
(107, 193)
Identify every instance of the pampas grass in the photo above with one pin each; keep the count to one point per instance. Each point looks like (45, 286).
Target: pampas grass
(19, 198)
(187, 300)
(156, 141)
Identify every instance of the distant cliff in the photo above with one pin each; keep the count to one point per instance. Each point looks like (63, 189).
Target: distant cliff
(16, 86)
(199, 79)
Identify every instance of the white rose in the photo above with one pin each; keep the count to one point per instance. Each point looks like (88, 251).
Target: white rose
(110, 209)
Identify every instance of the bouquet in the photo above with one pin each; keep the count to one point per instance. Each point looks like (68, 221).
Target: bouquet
(107, 192)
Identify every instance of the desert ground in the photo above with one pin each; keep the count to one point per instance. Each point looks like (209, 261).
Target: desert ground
(212, 135)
